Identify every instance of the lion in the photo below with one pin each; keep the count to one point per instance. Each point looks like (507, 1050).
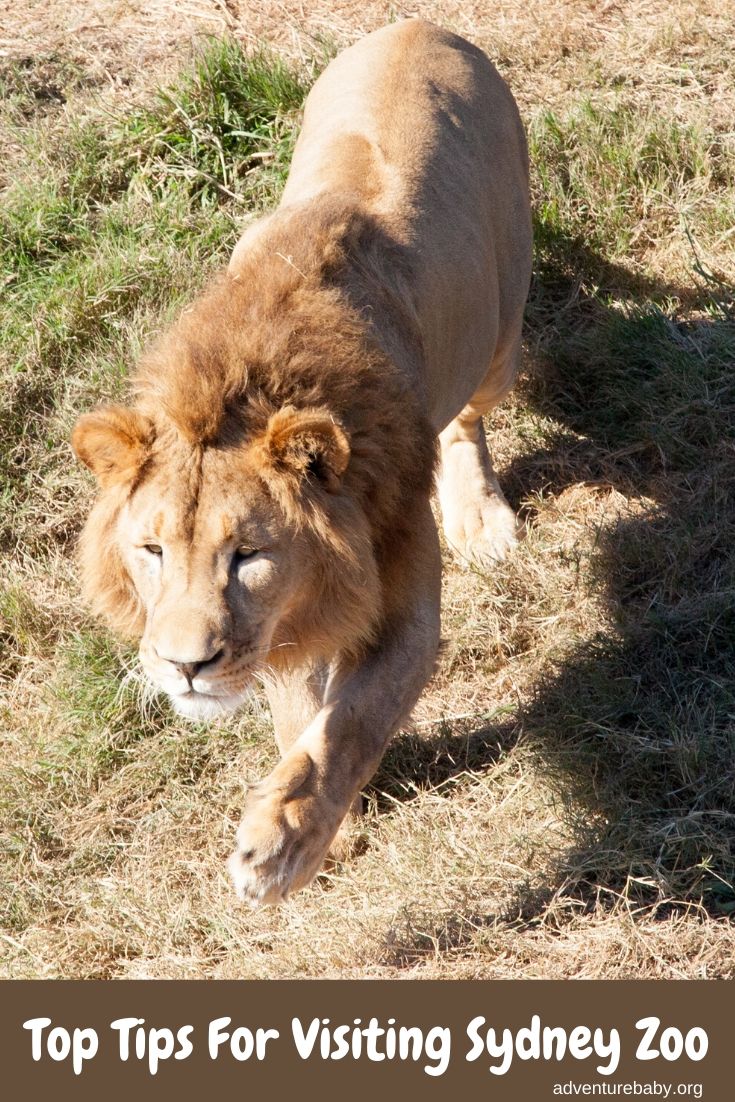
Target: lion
(264, 506)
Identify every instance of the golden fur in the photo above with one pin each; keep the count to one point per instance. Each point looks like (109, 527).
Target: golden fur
(216, 379)
(265, 501)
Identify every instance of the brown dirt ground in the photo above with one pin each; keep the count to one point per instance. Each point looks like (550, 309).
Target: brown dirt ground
(540, 42)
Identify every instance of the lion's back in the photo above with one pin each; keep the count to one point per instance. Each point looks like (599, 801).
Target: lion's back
(418, 125)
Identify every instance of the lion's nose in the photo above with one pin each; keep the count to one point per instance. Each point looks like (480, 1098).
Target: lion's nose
(189, 669)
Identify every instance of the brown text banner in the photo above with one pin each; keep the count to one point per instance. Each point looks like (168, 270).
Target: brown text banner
(500, 1040)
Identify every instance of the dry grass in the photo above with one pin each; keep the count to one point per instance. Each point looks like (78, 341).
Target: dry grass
(564, 803)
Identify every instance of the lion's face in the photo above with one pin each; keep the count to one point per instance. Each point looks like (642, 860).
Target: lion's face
(219, 571)
(214, 564)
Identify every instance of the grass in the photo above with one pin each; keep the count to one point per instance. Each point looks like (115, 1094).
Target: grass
(624, 178)
(105, 227)
(563, 804)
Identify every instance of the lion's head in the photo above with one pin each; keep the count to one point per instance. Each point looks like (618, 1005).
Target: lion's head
(246, 498)
(204, 555)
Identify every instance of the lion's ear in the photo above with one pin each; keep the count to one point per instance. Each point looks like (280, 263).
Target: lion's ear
(113, 442)
(309, 443)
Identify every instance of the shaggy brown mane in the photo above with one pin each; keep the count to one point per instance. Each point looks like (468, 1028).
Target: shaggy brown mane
(287, 334)
(288, 329)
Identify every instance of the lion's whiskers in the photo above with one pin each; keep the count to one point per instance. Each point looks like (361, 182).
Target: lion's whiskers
(136, 682)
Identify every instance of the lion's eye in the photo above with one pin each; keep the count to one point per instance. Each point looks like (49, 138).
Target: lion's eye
(153, 548)
(242, 554)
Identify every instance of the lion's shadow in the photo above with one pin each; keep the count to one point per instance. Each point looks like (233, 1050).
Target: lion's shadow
(635, 728)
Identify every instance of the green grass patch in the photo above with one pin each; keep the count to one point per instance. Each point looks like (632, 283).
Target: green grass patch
(114, 220)
(621, 177)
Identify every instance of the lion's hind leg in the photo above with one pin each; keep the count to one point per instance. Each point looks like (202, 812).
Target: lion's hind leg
(478, 522)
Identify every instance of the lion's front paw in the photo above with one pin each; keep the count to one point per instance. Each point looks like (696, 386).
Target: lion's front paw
(284, 834)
